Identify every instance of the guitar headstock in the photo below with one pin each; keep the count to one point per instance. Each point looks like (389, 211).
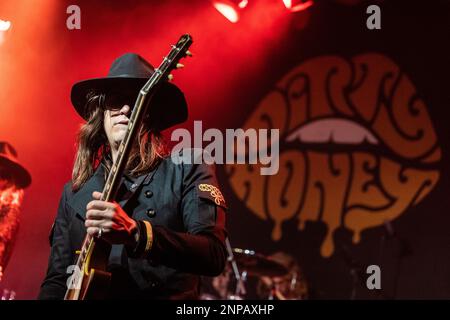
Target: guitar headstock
(172, 60)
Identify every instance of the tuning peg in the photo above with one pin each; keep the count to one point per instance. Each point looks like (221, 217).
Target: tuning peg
(188, 53)
(170, 77)
(180, 65)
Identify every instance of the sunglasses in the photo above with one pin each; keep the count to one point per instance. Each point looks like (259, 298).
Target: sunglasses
(115, 101)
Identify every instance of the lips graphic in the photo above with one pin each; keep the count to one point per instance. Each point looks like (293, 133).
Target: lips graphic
(357, 147)
(333, 130)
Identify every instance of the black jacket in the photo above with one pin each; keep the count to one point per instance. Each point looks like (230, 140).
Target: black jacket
(188, 226)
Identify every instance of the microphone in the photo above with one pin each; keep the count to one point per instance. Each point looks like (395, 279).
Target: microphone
(390, 231)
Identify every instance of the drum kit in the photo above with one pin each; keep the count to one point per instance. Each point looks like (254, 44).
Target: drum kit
(276, 279)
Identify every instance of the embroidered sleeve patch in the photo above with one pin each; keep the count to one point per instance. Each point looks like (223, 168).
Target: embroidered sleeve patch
(214, 192)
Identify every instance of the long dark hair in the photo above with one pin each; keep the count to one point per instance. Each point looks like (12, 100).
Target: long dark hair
(93, 146)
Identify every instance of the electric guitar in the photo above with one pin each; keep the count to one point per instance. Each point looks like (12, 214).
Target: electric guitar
(90, 278)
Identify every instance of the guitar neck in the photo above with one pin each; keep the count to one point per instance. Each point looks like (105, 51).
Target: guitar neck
(118, 167)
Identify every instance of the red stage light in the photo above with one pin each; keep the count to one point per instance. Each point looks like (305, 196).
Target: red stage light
(243, 4)
(227, 11)
(295, 6)
(230, 9)
(4, 27)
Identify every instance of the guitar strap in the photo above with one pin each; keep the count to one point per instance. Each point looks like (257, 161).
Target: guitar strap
(118, 257)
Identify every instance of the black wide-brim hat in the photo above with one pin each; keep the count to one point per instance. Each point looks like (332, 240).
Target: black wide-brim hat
(16, 172)
(129, 73)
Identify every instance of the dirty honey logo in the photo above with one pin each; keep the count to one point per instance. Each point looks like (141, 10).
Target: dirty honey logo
(357, 147)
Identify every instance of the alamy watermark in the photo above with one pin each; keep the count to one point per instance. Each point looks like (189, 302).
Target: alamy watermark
(374, 280)
(73, 21)
(374, 20)
(236, 146)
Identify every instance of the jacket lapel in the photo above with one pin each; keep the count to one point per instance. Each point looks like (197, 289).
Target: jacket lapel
(83, 196)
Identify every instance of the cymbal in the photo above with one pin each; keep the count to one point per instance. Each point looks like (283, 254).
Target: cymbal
(257, 264)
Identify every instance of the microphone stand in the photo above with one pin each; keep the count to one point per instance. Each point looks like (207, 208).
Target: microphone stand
(403, 250)
(357, 273)
(240, 287)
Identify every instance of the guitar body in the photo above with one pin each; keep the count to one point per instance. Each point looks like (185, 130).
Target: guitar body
(92, 278)
(95, 286)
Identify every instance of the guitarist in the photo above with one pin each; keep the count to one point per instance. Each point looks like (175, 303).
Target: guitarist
(167, 225)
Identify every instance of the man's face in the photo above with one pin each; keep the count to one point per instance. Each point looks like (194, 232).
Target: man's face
(115, 123)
